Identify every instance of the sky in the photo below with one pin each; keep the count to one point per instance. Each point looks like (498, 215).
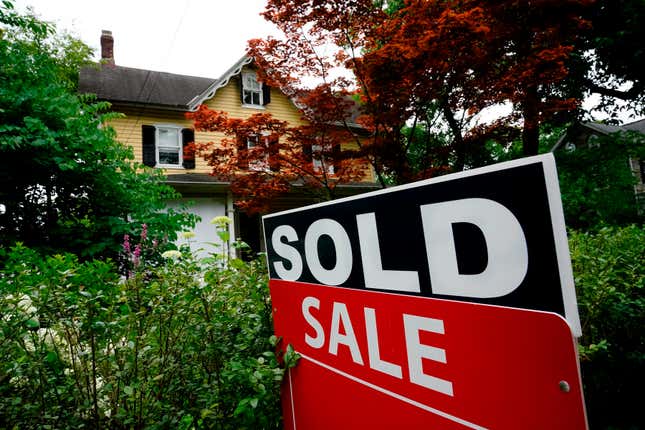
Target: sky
(189, 37)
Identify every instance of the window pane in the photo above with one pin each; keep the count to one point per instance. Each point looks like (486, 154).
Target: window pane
(252, 142)
(168, 156)
(248, 97)
(318, 159)
(168, 137)
(252, 97)
(251, 82)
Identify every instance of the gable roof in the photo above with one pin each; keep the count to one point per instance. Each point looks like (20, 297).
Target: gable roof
(167, 90)
(635, 126)
(222, 81)
(148, 87)
(125, 84)
(599, 128)
(608, 129)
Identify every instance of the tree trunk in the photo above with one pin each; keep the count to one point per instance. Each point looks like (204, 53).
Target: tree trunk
(531, 114)
(458, 139)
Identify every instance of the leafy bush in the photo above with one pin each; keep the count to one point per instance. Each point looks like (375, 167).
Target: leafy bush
(609, 268)
(597, 182)
(178, 345)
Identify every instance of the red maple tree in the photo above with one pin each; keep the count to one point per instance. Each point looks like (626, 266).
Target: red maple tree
(382, 72)
(264, 157)
(455, 57)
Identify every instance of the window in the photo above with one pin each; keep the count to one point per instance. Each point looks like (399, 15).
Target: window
(593, 141)
(167, 145)
(319, 160)
(260, 152)
(251, 90)
(570, 147)
(255, 141)
(253, 93)
(324, 157)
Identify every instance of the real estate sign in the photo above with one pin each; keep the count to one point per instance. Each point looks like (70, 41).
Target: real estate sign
(439, 302)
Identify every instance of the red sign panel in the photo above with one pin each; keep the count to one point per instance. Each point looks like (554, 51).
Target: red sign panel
(381, 361)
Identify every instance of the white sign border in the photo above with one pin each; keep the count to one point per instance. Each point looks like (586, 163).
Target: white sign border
(555, 208)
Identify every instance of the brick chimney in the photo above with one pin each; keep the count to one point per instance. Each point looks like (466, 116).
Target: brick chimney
(107, 47)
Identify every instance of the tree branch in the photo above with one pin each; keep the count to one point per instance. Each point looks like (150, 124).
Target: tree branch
(631, 94)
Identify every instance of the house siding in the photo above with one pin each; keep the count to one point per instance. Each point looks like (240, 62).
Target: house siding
(227, 99)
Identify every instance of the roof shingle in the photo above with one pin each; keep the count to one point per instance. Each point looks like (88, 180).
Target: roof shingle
(125, 84)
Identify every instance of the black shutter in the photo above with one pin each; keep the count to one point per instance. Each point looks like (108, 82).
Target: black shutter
(266, 94)
(188, 137)
(337, 156)
(274, 152)
(241, 88)
(148, 145)
(307, 152)
(242, 152)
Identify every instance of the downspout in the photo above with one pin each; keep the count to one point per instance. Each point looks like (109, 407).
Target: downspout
(232, 226)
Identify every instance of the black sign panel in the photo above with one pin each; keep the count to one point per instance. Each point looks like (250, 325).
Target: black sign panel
(493, 235)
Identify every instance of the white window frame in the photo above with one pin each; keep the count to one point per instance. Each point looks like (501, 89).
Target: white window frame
(252, 91)
(253, 141)
(180, 146)
(318, 163)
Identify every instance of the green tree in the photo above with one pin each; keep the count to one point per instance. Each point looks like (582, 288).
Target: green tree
(609, 59)
(597, 183)
(66, 184)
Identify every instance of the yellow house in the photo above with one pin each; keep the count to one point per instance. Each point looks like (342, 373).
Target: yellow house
(154, 105)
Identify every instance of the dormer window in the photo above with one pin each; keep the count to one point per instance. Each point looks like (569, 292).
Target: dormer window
(254, 93)
(252, 89)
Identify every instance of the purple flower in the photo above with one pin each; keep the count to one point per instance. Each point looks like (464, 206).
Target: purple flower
(144, 232)
(136, 255)
(126, 244)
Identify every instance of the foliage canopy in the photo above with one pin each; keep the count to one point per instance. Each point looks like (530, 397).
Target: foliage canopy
(66, 183)
(418, 61)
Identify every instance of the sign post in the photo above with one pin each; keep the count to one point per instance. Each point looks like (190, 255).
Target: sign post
(447, 303)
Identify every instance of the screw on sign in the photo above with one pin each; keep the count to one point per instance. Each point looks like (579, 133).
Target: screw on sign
(435, 305)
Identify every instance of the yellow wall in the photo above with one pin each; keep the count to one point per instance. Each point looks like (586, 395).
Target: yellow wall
(226, 99)
(128, 130)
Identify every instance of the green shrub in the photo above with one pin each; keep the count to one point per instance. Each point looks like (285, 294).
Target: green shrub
(174, 345)
(597, 182)
(609, 269)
